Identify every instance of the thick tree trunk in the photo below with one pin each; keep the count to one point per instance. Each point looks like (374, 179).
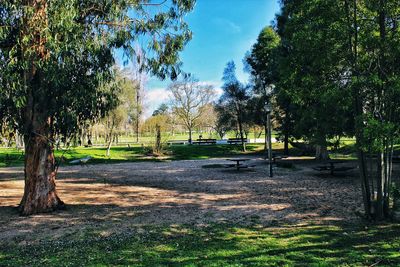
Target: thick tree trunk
(321, 152)
(40, 193)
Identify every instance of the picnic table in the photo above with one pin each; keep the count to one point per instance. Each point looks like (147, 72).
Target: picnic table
(239, 165)
(330, 166)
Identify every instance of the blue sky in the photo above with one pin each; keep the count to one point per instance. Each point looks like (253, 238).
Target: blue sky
(223, 30)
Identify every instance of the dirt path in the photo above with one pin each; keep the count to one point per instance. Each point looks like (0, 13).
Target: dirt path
(113, 198)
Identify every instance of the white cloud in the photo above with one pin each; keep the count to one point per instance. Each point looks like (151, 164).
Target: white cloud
(153, 99)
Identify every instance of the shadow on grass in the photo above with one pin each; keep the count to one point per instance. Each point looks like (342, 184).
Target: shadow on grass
(218, 245)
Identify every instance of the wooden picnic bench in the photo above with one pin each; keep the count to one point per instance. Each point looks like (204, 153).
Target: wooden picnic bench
(330, 166)
(236, 140)
(205, 141)
(239, 165)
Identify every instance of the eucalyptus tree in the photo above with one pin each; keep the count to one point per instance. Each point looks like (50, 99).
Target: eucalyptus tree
(235, 97)
(56, 57)
(189, 101)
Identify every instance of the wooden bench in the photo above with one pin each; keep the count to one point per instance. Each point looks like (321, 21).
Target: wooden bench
(236, 140)
(177, 142)
(205, 141)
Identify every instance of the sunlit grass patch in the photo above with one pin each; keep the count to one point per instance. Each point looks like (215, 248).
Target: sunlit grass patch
(219, 245)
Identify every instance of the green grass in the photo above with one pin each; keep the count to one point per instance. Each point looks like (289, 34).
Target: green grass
(217, 245)
(13, 157)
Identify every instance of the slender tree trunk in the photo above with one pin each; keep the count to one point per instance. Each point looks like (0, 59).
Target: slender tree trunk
(240, 125)
(286, 143)
(158, 139)
(40, 193)
(353, 49)
(190, 135)
(110, 139)
(380, 177)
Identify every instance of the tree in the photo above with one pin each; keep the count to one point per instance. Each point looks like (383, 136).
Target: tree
(161, 110)
(262, 63)
(189, 99)
(311, 69)
(235, 98)
(55, 57)
(342, 68)
(124, 111)
(208, 118)
(225, 118)
(372, 42)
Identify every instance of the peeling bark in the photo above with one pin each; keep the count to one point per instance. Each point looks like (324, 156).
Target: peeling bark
(40, 194)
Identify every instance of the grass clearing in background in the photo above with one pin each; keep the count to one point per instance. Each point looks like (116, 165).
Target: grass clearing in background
(13, 157)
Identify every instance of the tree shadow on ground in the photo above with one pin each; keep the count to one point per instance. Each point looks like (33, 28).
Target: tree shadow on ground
(218, 244)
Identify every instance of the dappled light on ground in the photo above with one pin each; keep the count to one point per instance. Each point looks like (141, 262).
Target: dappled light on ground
(121, 196)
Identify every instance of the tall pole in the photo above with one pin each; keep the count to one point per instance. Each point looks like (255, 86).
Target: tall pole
(269, 143)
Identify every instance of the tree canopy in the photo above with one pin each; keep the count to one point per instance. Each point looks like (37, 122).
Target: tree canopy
(56, 69)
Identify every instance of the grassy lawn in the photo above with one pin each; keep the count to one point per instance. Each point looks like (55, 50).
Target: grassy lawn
(217, 245)
(14, 157)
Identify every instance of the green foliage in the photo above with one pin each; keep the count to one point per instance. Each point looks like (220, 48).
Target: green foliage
(56, 56)
(161, 110)
(311, 70)
(232, 105)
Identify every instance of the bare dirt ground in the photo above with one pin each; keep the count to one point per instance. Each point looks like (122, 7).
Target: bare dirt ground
(118, 197)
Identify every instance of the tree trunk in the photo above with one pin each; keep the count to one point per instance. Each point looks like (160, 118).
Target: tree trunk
(286, 144)
(321, 152)
(380, 194)
(109, 142)
(190, 135)
(40, 193)
(157, 148)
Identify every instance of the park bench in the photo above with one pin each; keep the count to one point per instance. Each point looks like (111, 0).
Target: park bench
(236, 140)
(81, 161)
(205, 141)
(177, 142)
